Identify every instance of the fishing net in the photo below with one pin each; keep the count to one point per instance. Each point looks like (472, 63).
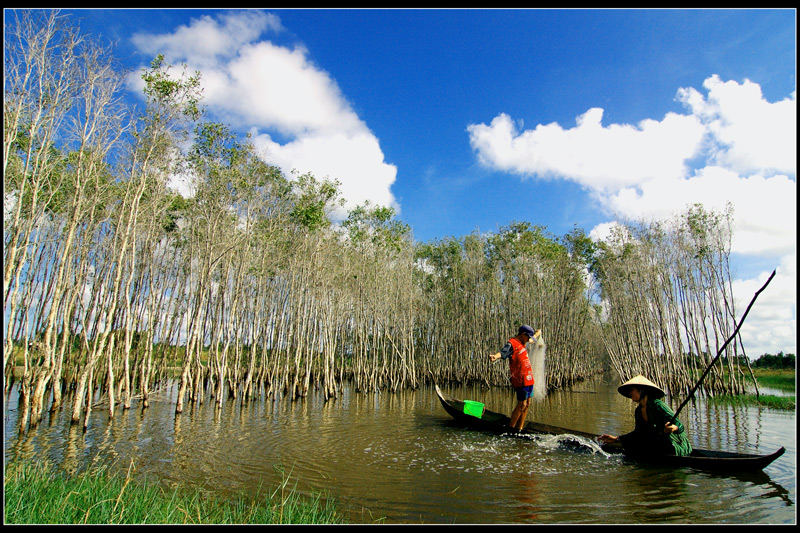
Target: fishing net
(539, 382)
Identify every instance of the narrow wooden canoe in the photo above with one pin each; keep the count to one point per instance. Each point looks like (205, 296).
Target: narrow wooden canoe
(718, 461)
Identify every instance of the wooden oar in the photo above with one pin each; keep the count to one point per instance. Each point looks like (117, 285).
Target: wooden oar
(691, 393)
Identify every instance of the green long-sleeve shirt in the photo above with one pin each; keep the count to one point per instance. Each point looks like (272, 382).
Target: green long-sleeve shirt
(649, 437)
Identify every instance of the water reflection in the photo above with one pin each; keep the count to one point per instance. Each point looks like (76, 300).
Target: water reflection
(399, 456)
(530, 494)
(660, 495)
(73, 446)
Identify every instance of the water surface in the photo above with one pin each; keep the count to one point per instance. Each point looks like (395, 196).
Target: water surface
(400, 458)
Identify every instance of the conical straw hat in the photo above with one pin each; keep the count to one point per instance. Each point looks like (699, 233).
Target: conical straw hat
(654, 391)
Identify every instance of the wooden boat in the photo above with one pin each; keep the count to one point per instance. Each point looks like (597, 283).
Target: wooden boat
(719, 461)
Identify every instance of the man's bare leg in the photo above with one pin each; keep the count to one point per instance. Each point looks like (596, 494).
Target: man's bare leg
(517, 415)
(523, 414)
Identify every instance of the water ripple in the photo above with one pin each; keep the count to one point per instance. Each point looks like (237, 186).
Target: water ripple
(401, 457)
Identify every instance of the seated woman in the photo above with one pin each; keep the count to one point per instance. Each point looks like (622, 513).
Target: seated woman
(653, 433)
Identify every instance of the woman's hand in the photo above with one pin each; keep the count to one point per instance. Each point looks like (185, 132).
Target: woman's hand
(608, 439)
(670, 428)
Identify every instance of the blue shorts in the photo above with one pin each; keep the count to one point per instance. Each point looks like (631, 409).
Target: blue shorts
(523, 393)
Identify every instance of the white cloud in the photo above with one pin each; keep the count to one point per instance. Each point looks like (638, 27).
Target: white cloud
(765, 209)
(604, 231)
(273, 86)
(598, 157)
(771, 325)
(751, 134)
(261, 86)
(332, 155)
(206, 40)
(742, 150)
(9, 206)
(734, 127)
(747, 144)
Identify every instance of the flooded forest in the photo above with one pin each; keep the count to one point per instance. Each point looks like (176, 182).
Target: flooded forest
(244, 283)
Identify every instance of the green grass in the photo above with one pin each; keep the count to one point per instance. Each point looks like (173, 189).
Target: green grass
(34, 494)
(765, 400)
(781, 379)
(776, 379)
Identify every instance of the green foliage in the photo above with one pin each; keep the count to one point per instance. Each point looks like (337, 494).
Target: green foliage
(780, 360)
(581, 248)
(213, 142)
(17, 156)
(245, 213)
(177, 209)
(172, 103)
(215, 157)
(377, 225)
(520, 239)
(313, 200)
(444, 257)
(704, 228)
(164, 90)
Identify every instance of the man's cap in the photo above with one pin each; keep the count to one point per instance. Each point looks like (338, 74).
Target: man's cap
(527, 330)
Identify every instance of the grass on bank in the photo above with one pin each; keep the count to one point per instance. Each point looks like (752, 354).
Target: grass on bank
(781, 379)
(765, 400)
(34, 494)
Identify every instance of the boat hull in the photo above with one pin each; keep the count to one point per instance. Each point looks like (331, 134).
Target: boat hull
(711, 460)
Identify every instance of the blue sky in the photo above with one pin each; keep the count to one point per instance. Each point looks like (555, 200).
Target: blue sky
(468, 120)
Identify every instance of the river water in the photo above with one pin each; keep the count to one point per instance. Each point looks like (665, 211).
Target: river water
(399, 458)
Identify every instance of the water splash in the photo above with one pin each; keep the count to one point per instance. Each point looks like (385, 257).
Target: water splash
(574, 443)
(565, 441)
(525, 436)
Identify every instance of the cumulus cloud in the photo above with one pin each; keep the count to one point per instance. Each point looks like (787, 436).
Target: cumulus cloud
(745, 145)
(270, 89)
(773, 326)
(749, 133)
(598, 157)
(275, 86)
(765, 208)
(330, 155)
(732, 146)
(206, 40)
(604, 231)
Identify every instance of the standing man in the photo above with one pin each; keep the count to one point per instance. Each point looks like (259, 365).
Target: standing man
(521, 372)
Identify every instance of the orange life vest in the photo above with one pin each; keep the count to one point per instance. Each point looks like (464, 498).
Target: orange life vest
(520, 365)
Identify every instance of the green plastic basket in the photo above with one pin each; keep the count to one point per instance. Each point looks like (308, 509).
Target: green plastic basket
(473, 408)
